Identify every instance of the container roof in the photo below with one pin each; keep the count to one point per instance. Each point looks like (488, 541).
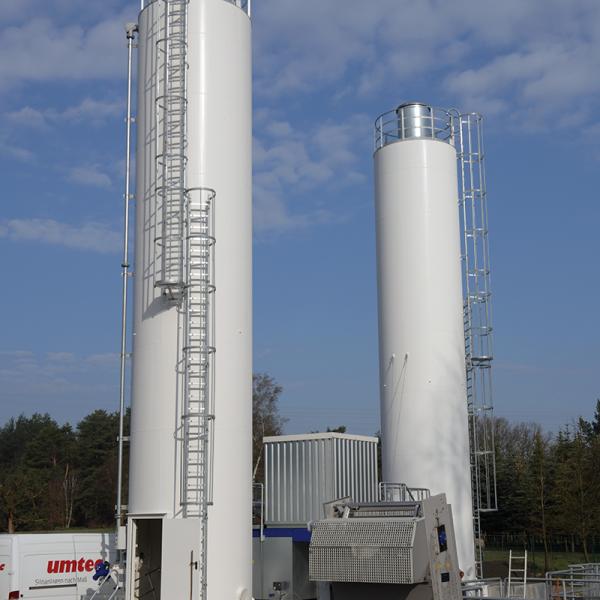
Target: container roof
(318, 436)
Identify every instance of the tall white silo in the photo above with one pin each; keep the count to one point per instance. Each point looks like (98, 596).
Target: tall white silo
(189, 509)
(425, 437)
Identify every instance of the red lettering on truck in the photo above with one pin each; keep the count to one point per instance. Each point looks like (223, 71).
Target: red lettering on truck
(2, 566)
(72, 566)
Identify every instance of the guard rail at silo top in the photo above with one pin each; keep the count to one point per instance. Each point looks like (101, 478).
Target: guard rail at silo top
(414, 120)
(245, 5)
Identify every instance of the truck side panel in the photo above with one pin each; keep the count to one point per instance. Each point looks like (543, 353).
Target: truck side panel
(61, 566)
(5, 565)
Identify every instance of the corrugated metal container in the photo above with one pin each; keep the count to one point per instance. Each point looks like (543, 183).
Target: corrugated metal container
(302, 472)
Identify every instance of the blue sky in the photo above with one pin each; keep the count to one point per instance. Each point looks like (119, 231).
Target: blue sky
(323, 70)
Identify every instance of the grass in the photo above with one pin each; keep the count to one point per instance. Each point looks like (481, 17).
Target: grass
(496, 561)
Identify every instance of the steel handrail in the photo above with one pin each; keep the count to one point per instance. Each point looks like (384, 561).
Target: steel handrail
(392, 127)
(244, 5)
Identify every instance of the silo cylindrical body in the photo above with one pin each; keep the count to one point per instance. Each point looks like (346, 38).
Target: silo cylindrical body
(218, 114)
(425, 441)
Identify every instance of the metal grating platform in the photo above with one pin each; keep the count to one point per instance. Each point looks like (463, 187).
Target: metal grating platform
(356, 550)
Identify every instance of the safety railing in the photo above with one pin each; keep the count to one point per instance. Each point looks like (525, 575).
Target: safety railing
(496, 588)
(414, 120)
(491, 587)
(245, 5)
(258, 508)
(578, 582)
(400, 492)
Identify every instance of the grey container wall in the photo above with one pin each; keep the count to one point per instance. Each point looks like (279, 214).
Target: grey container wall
(302, 472)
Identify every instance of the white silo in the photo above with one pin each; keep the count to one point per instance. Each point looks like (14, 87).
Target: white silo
(189, 509)
(425, 437)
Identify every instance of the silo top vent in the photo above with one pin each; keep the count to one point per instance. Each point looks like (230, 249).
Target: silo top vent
(414, 120)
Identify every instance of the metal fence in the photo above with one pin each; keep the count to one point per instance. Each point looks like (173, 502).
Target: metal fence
(400, 492)
(414, 120)
(563, 543)
(577, 582)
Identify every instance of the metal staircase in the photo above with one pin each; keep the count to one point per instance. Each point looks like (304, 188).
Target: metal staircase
(477, 320)
(171, 160)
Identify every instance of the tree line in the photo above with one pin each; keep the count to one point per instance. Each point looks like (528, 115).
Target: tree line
(548, 486)
(58, 476)
(55, 476)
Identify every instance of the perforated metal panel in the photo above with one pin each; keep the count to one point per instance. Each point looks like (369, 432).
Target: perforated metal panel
(357, 550)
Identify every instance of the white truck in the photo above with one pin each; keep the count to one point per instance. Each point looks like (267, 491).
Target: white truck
(56, 566)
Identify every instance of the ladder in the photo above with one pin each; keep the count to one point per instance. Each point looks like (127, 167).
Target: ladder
(198, 362)
(186, 276)
(171, 159)
(477, 320)
(517, 575)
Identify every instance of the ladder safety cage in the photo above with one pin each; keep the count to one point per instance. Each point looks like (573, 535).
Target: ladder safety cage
(245, 5)
(198, 364)
(186, 242)
(171, 157)
(198, 351)
(477, 312)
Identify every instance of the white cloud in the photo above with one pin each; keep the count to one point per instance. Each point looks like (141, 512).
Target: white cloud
(289, 162)
(17, 354)
(532, 57)
(14, 9)
(315, 45)
(12, 150)
(94, 237)
(36, 376)
(108, 359)
(89, 109)
(42, 51)
(28, 117)
(535, 84)
(89, 175)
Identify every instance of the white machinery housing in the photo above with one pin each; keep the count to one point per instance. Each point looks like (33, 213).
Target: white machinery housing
(387, 550)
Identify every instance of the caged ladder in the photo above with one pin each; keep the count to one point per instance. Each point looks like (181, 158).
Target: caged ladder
(171, 158)
(186, 243)
(198, 349)
(198, 363)
(477, 314)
